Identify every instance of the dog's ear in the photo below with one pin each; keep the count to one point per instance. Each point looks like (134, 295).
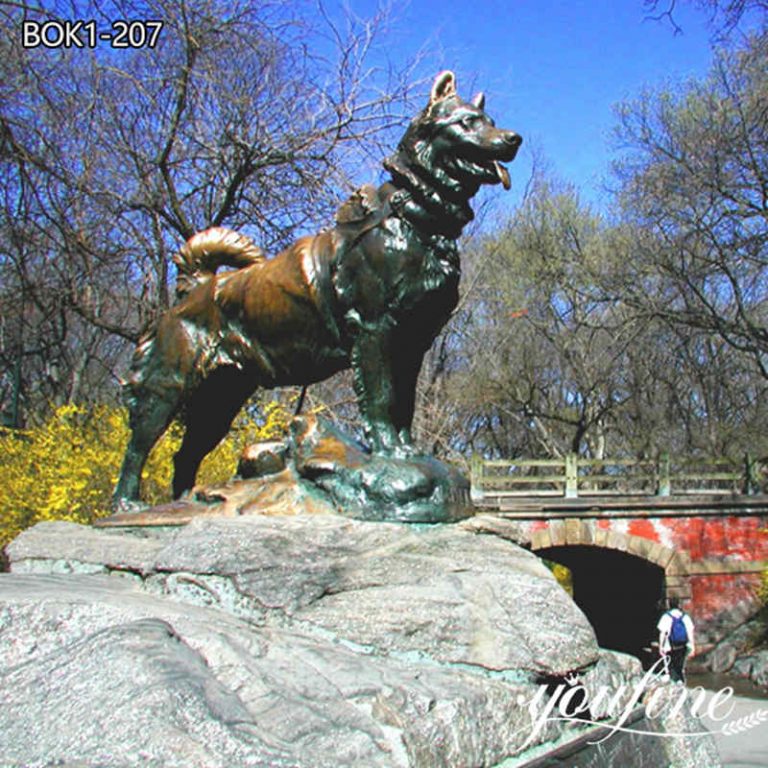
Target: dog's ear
(479, 101)
(443, 87)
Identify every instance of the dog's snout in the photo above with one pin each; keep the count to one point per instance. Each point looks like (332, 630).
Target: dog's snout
(513, 139)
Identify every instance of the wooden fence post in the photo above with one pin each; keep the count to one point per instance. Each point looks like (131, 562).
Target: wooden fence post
(751, 479)
(476, 475)
(571, 475)
(664, 487)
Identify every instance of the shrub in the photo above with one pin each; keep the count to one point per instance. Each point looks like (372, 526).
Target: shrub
(562, 575)
(762, 590)
(66, 468)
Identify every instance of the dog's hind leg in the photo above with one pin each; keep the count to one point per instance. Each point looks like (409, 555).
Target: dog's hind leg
(209, 416)
(150, 415)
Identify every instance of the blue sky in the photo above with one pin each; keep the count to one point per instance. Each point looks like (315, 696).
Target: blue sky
(551, 69)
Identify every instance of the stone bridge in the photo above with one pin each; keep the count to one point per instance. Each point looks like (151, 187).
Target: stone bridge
(627, 555)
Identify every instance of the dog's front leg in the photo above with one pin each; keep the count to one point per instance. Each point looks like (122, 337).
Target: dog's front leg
(371, 362)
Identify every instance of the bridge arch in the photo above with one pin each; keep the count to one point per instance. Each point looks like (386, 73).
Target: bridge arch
(620, 580)
(588, 533)
(709, 547)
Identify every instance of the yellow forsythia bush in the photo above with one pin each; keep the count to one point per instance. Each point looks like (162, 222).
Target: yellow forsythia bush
(563, 576)
(66, 469)
(762, 590)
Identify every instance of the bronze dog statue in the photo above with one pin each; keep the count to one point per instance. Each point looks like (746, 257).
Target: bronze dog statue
(371, 293)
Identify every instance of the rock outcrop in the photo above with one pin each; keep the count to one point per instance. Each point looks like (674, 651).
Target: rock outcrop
(743, 653)
(302, 641)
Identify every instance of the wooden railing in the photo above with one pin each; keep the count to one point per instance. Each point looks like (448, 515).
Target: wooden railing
(573, 476)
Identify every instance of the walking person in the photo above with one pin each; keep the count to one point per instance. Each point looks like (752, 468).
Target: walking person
(675, 639)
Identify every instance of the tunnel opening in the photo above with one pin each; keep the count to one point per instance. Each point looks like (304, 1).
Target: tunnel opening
(622, 595)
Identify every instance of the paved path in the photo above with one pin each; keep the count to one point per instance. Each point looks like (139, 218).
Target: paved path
(748, 748)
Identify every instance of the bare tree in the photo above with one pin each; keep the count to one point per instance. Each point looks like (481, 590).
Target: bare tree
(535, 357)
(244, 114)
(724, 15)
(548, 356)
(695, 187)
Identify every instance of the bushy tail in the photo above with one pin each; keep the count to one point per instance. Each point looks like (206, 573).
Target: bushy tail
(205, 252)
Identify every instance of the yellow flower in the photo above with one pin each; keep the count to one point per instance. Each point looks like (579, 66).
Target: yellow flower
(66, 468)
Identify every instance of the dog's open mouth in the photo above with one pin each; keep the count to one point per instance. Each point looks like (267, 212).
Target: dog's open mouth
(488, 171)
(502, 173)
(496, 172)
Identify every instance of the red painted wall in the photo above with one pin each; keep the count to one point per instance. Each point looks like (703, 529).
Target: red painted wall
(705, 537)
(644, 528)
(714, 595)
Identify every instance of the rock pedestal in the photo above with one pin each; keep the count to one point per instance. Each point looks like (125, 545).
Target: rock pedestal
(302, 641)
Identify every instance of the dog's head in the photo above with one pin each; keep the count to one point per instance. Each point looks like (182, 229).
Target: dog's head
(449, 150)
(464, 140)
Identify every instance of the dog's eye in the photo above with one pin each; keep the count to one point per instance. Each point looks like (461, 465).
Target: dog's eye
(470, 121)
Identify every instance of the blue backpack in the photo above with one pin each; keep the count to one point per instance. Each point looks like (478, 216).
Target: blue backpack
(678, 634)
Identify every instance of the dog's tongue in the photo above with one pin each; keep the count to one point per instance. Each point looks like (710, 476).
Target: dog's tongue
(503, 174)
